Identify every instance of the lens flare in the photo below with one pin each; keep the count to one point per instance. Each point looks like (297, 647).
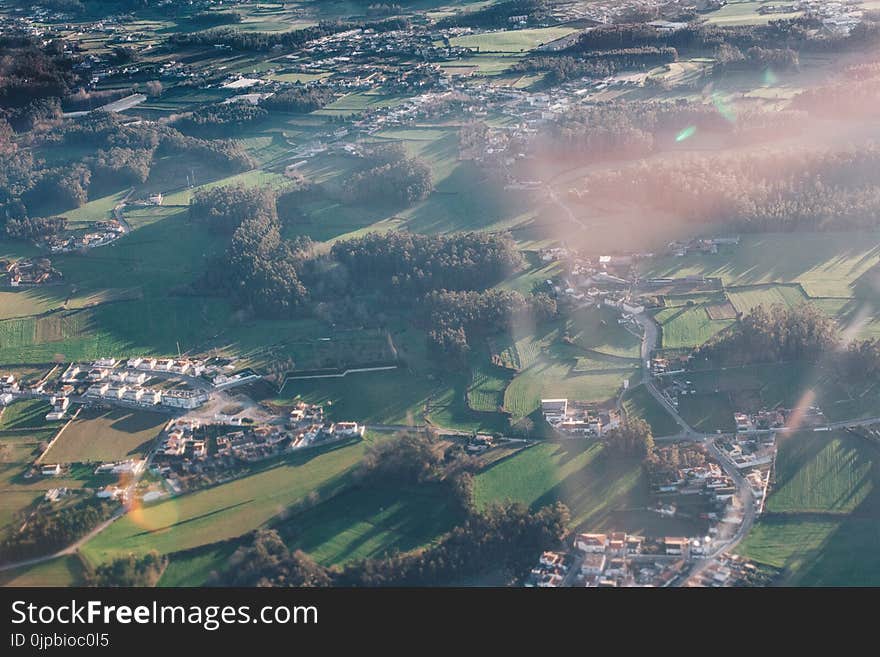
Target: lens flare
(686, 133)
(769, 78)
(724, 109)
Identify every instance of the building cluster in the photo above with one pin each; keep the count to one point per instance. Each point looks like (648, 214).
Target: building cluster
(754, 456)
(104, 233)
(30, 272)
(578, 419)
(728, 570)
(192, 448)
(701, 246)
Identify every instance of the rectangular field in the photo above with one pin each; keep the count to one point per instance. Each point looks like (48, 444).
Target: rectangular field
(106, 436)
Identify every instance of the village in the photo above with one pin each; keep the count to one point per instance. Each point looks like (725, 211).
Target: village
(211, 434)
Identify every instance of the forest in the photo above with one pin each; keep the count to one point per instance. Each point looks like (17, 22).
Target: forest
(751, 192)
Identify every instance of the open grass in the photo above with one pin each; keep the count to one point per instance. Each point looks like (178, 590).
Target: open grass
(689, 326)
(60, 572)
(193, 568)
(639, 403)
(826, 264)
(601, 491)
(106, 436)
(26, 414)
(822, 523)
(371, 522)
(231, 509)
(744, 299)
(512, 41)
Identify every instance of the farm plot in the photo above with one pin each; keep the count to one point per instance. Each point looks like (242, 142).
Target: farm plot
(598, 329)
(744, 299)
(842, 265)
(228, 510)
(601, 491)
(690, 326)
(372, 522)
(558, 379)
(106, 436)
(512, 41)
(486, 390)
(639, 403)
(823, 511)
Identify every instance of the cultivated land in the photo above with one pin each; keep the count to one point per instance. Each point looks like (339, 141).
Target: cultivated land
(228, 510)
(601, 491)
(136, 296)
(111, 435)
(822, 519)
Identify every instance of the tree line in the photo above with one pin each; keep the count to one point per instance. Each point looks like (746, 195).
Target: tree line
(760, 191)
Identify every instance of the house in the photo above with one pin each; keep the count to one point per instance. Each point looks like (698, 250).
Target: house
(552, 560)
(591, 542)
(675, 545)
(51, 470)
(554, 407)
(59, 406)
(593, 564)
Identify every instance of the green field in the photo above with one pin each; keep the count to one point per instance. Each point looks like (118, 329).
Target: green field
(228, 510)
(60, 572)
(600, 490)
(106, 436)
(744, 299)
(512, 41)
(26, 414)
(639, 403)
(371, 522)
(823, 516)
(688, 326)
(193, 568)
(826, 264)
(558, 379)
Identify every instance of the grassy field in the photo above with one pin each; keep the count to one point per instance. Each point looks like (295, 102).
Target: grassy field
(389, 397)
(688, 326)
(601, 491)
(26, 414)
(195, 567)
(558, 379)
(711, 412)
(371, 522)
(745, 12)
(60, 572)
(825, 264)
(822, 521)
(228, 510)
(106, 436)
(598, 330)
(746, 298)
(512, 41)
(639, 403)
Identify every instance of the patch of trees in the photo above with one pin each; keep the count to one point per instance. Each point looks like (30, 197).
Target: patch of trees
(259, 269)
(624, 130)
(121, 167)
(506, 536)
(30, 70)
(49, 532)
(406, 265)
(457, 319)
(34, 228)
(855, 95)
(206, 18)
(774, 335)
(632, 439)
(389, 178)
(132, 570)
(299, 99)
(40, 113)
(58, 189)
(731, 58)
(498, 14)
(754, 191)
(220, 120)
(560, 68)
(256, 41)
(410, 458)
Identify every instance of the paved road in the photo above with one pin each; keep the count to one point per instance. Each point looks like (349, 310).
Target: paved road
(744, 491)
